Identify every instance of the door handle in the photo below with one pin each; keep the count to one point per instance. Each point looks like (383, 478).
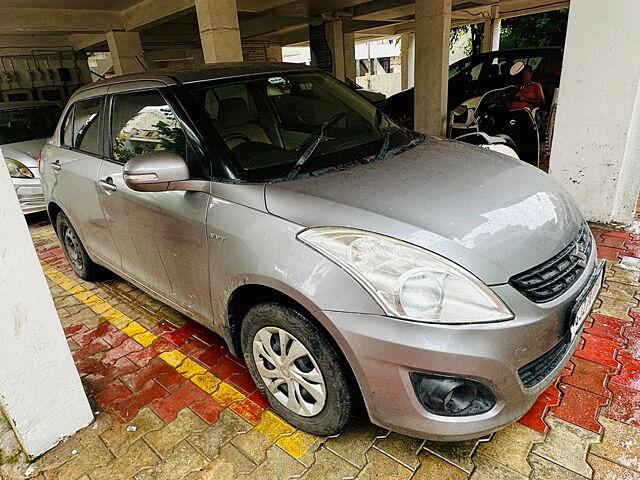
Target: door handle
(107, 184)
(56, 166)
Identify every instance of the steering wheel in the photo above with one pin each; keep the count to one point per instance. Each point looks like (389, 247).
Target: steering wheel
(236, 136)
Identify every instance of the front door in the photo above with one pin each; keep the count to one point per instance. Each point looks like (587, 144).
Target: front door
(74, 169)
(161, 236)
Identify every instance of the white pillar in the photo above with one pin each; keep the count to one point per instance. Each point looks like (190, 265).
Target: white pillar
(219, 30)
(491, 36)
(433, 26)
(335, 39)
(40, 390)
(407, 59)
(349, 40)
(596, 145)
(126, 52)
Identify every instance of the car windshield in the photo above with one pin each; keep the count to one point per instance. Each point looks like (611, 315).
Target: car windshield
(269, 122)
(28, 123)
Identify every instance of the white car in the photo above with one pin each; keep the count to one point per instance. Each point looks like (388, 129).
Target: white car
(24, 128)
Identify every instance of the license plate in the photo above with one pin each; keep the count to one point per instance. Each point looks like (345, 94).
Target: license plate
(584, 303)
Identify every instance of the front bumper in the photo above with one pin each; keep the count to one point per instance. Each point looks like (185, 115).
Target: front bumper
(30, 194)
(382, 351)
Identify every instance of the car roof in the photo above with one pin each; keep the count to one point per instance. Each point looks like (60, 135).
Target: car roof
(26, 104)
(174, 76)
(515, 51)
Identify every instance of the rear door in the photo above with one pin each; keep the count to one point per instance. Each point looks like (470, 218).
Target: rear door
(161, 236)
(72, 172)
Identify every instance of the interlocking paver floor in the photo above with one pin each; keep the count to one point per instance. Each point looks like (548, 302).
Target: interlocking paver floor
(172, 402)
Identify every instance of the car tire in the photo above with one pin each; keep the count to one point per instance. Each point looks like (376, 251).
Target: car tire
(309, 410)
(74, 250)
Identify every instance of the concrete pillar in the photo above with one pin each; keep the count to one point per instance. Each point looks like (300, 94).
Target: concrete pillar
(40, 390)
(274, 53)
(407, 59)
(491, 36)
(126, 52)
(596, 145)
(433, 26)
(335, 39)
(219, 30)
(349, 40)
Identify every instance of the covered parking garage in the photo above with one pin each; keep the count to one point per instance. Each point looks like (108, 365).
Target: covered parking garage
(168, 398)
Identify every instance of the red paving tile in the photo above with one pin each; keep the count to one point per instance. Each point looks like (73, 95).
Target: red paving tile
(534, 417)
(607, 327)
(97, 345)
(615, 233)
(193, 347)
(100, 379)
(609, 253)
(625, 405)
(599, 350)
(179, 336)
(212, 355)
(168, 407)
(125, 348)
(225, 368)
(171, 381)
(243, 382)
(613, 241)
(137, 380)
(258, 398)
(579, 407)
(589, 376)
(143, 357)
(128, 407)
(75, 329)
(208, 409)
(113, 393)
(629, 375)
(85, 337)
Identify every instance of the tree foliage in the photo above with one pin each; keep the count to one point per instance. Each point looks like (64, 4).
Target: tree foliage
(539, 30)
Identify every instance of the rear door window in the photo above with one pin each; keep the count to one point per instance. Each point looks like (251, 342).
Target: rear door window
(86, 126)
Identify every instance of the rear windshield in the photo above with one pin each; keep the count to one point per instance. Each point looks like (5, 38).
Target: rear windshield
(28, 123)
(267, 123)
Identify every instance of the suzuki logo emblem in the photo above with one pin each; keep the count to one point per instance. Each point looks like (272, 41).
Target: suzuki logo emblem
(580, 254)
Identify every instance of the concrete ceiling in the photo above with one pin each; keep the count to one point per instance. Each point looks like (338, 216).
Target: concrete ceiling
(165, 23)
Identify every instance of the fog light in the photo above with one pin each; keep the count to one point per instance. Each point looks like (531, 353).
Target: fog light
(451, 396)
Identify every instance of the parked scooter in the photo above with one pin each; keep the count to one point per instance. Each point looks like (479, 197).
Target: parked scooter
(491, 124)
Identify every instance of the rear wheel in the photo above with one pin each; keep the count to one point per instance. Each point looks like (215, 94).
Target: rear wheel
(296, 368)
(75, 252)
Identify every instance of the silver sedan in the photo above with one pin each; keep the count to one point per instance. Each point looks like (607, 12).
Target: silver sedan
(24, 128)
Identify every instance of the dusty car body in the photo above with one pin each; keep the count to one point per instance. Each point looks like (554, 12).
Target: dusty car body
(24, 129)
(339, 253)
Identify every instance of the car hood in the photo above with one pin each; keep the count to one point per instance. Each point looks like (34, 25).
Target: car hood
(25, 152)
(492, 214)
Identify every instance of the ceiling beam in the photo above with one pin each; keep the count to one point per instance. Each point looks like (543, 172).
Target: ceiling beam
(57, 21)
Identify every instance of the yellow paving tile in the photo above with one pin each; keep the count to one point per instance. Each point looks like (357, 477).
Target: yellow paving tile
(206, 381)
(134, 328)
(298, 443)
(173, 358)
(145, 339)
(189, 368)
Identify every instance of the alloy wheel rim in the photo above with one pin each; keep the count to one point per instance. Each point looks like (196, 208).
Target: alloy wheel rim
(72, 247)
(289, 371)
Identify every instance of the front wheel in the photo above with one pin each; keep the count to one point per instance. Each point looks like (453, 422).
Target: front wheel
(75, 252)
(296, 368)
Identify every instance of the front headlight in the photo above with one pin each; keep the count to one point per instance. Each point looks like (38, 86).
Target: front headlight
(408, 281)
(17, 169)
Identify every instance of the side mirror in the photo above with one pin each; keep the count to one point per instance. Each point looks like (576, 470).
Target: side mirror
(155, 171)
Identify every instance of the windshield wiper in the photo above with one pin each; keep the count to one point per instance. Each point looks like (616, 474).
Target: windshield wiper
(384, 150)
(311, 142)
